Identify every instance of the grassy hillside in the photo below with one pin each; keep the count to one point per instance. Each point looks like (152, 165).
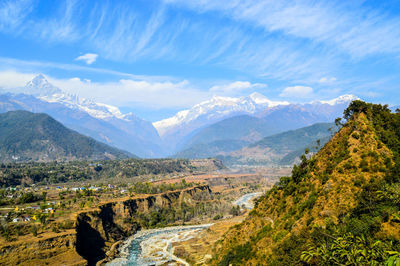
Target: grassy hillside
(340, 207)
(25, 136)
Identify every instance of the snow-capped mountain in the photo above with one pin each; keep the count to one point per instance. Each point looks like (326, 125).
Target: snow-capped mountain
(42, 89)
(213, 110)
(344, 99)
(181, 128)
(103, 122)
(39, 86)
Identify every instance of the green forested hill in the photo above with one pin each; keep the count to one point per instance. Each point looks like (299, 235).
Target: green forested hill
(340, 207)
(295, 139)
(26, 136)
(282, 148)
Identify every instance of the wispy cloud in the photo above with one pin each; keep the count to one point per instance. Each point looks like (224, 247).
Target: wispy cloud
(302, 42)
(30, 65)
(356, 29)
(327, 80)
(131, 34)
(88, 58)
(13, 14)
(60, 26)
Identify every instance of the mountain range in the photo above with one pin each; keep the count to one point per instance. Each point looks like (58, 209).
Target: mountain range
(232, 123)
(239, 131)
(26, 136)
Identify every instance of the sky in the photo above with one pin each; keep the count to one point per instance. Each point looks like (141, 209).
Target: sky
(156, 57)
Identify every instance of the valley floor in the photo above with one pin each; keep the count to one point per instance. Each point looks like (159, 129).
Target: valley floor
(52, 223)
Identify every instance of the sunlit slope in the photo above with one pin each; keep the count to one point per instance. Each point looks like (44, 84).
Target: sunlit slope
(339, 207)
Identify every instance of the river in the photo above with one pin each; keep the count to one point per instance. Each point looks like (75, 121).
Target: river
(247, 200)
(151, 246)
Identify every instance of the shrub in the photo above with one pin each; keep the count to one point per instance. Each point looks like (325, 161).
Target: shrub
(355, 135)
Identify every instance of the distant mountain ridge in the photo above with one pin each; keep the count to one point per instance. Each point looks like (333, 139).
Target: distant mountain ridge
(25, 136)
(193, 126)
(281, 149)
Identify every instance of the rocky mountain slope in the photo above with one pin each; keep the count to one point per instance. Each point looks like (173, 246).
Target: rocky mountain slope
(341, 207)
(25, 136)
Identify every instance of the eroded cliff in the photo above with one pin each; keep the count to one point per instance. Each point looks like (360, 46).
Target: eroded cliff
(98, 230)
(96, 233)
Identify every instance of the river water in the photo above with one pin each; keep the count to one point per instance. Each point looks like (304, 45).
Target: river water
(151, 246)
(247, 200)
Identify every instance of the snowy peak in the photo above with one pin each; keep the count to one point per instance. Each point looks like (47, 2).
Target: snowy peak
(218, 108)
(213, 110)
(258, 98)
(347, 98)
(39, 86)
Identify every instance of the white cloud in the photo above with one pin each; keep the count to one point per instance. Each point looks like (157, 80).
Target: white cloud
(12, 79)
(327, 80)
(151, 93)
(132, 92)
(236, 87)
(88, 58)
(297, 92)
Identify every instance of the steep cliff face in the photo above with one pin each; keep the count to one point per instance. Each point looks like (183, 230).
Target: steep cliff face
(98, 230)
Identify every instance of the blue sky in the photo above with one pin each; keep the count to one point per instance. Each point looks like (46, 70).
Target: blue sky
(158, 57)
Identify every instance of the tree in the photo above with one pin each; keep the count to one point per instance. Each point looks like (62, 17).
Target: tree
(34, 230)
(43, 218)
(356, 106)
(44, 195)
